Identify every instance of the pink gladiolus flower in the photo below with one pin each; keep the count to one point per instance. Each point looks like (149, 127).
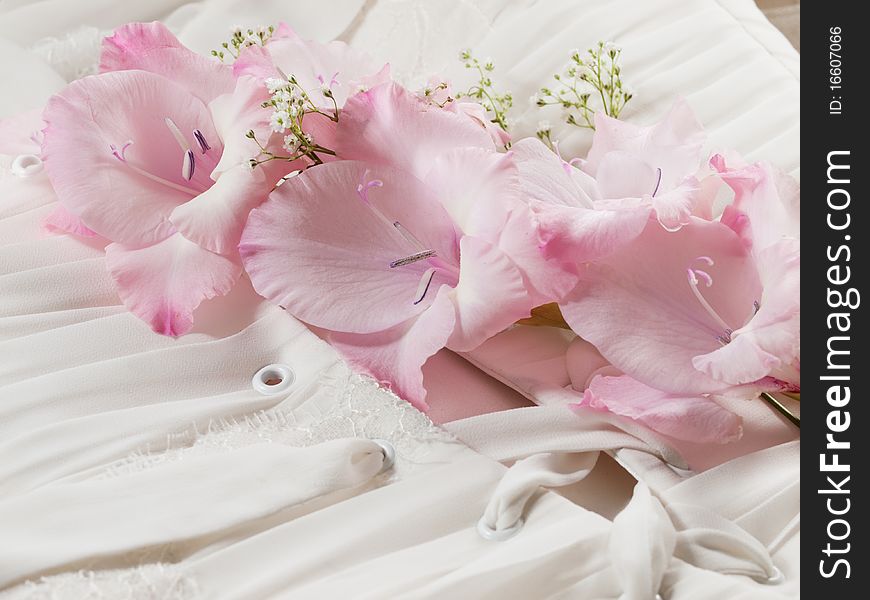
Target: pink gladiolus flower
(420, 243)
(655, 165)
(135, 154)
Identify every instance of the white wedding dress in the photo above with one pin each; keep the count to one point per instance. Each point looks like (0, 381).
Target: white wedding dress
(138, 466)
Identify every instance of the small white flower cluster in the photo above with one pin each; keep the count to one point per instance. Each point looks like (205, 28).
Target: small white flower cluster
(290, 103)
(243, 38)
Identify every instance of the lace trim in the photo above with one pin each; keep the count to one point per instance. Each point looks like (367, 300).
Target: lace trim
(73, 56)
(345, 405)
(148, 582)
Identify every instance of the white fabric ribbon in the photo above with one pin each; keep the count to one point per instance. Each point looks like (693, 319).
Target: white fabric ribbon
(647, 534)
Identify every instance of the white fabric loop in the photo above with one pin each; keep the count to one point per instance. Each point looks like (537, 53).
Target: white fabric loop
(505, 508)
(709, 541)
(512, 434)
(641, 545)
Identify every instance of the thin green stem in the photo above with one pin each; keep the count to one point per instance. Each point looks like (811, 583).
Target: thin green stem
(781, 409)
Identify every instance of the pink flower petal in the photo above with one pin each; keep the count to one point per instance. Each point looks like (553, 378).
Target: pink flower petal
(477, 187)
(577, 235)
(684, 417)
(621, 174)
(673, 145)
(110, 196)
(675, 207)
(547, 178)
(769, 199)
(637, 307)
(60, 220)
(234, 115)
(164, 283)
(215, 218)
(490, 296)
(313, 64)
(389, 125)
(769, 345)
(318, 250)
(152, 47)
(476, 112)
(396, 356)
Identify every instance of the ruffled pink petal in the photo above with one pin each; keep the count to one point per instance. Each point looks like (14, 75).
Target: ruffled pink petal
(320, 251)
(60, 220)
(766, 204)
(112, 198)
(476, 112)
(396, 356)
(691, 418)
(672, 145)
(637, 307)
(164, 283)
(675, 207)
(621, 174)
(389, 125)
(313, 64)
(477, 188)
(769, 345)
(215, 219)
(490, 296)
(576, 235)
(547, 178)
(152, 47)
(548, 277)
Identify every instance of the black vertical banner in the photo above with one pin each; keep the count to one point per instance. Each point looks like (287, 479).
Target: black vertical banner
(835, 432)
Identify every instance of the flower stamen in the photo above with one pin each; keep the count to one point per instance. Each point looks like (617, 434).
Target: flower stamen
(425, 283)
(695, 276)
(188, 164)
(200, 139)
(655, 191)
(121, 155)
(408, 260)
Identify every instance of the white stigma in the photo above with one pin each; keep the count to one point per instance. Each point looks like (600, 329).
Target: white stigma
(188, 164)
(694, 276)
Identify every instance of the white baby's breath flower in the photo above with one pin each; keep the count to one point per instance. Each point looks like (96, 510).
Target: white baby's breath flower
(279, 121)
(534, 99)
(273, 84)
(544, 126)
(291, 143)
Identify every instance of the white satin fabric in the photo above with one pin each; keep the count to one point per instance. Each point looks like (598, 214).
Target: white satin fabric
(133, 465)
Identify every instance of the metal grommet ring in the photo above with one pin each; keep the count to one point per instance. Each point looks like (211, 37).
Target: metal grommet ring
(26, 165)
(273, 379)
(389, 452)
(498, 535)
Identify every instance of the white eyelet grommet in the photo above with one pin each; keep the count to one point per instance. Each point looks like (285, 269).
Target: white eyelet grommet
(774, 579)
(273, 379)
(498, 535)
(389, 452)
(26, 165)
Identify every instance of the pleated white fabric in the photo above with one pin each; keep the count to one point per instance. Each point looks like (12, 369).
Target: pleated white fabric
(133, 465)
